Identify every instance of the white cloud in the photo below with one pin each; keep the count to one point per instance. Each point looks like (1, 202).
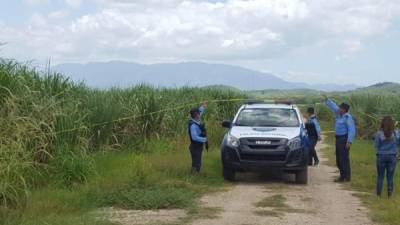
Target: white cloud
(38, 20)
(36, 2)
(73, 3)
(351, 47)
(59, 14)
(153, 30)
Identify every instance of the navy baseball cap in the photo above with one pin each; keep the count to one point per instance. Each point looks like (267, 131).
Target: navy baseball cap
(193, 111)
(345, 106)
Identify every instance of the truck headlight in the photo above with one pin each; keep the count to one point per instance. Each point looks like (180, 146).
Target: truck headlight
(294, 143)
(233, 141)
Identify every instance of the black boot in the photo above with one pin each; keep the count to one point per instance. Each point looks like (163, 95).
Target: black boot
(194, 171)
(339, 180)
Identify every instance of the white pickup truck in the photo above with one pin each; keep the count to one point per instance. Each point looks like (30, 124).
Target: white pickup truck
(265, 136)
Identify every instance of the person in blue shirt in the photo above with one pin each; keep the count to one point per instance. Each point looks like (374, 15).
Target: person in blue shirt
(197, 137)
(386, 145)
(314, 135)
(345, 132)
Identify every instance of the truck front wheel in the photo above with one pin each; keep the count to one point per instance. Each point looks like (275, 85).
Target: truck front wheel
(229, 174)
(302, 176)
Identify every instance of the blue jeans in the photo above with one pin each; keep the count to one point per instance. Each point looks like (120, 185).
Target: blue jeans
(385, 163)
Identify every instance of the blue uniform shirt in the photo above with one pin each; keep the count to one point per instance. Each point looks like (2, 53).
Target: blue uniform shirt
(195, 129)
(385, 146)
(313, 119)
(345, 124)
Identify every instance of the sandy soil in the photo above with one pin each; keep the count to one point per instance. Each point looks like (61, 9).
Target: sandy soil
(321, 202)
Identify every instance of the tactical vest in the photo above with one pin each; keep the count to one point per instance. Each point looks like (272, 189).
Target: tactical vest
(202, 134)
(311, 129)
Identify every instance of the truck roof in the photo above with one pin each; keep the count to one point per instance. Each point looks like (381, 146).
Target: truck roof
(269, 106)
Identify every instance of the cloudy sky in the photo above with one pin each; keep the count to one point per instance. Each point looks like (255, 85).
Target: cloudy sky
(317, 41)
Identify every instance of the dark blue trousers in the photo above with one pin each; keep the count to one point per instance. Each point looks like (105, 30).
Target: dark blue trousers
(196, 152)
(313, 152)
(385, 163)
(343, 157)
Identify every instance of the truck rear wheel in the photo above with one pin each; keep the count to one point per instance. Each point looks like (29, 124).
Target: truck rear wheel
(302, 176)
(229, 174)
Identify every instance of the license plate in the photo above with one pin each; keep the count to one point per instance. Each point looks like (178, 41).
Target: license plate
(263, 142)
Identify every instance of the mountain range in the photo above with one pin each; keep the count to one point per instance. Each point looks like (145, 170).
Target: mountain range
(380, 88)
(126, 74)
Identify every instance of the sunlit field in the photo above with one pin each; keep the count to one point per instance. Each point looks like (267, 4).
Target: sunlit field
(68, 150)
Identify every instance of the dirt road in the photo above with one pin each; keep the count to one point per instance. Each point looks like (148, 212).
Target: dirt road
(257, 201)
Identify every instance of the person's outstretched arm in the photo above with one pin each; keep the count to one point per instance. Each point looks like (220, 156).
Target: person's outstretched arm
(332, 106)
(202, 108)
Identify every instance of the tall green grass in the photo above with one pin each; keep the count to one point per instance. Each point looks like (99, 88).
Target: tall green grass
(368, 109)
(50, 126)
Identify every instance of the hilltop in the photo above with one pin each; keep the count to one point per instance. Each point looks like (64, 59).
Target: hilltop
(381, 88)
(199, 74)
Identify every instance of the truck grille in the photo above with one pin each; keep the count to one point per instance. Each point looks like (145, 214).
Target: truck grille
(251, 157)
(262, 143)
(263, 149)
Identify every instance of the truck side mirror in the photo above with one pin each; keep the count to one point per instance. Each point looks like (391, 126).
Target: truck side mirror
(227, 124)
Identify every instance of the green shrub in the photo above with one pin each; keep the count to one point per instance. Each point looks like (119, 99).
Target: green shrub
(72, 168)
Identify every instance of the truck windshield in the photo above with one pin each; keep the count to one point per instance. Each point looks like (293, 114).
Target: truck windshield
(268, 118)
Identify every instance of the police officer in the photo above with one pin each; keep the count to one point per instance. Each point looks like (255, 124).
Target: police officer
(197, 137)
(345, 131)
(314, 135)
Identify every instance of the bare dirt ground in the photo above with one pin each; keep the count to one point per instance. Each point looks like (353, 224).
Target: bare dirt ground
(320, 202)
(142, 217)
(262, 200)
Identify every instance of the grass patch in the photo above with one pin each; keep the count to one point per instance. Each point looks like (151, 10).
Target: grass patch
(275, 201)
(197, 212)
(124, 180)
(277, 186)
(382, 211)
(292, 210)
(278, 206)
(306, 199)
(268, 213)
(149, 198)
(206, 213)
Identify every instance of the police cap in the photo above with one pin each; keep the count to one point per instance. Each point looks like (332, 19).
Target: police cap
(193, 112)
(345, 106)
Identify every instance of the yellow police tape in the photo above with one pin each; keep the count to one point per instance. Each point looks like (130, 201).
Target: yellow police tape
(151, 113)
(182, 107)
